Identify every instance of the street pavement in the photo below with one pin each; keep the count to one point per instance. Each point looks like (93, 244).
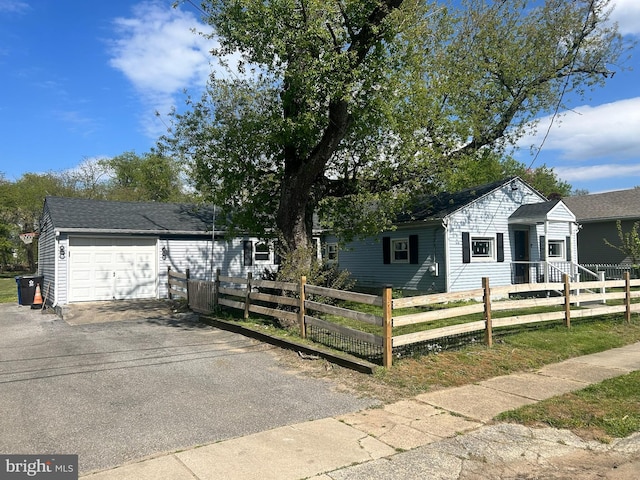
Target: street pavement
(442, 435)
(172, 399)
(141, 383)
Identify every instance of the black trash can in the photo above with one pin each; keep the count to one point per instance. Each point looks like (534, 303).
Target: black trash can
(27, 288)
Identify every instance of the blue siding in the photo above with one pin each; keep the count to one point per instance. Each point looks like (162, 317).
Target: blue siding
(363, 259)
(485, 218)
(50, 265)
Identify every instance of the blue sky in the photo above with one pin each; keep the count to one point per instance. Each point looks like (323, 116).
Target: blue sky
(82, 80)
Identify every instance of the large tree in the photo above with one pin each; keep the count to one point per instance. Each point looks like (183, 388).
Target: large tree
(340, 105)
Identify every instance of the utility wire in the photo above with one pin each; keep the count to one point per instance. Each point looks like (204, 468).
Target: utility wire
(564, 87)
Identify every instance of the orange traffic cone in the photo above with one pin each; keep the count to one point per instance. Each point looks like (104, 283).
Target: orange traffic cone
(37, 298)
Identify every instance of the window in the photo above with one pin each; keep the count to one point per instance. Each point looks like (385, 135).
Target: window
(256, 252)
(262, 252)
(556, 249)
(482, 249)
(331, 253)
(400, 250)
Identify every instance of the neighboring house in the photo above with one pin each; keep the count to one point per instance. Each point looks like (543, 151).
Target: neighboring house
(597, 215)
(448, 242)
(93, 250)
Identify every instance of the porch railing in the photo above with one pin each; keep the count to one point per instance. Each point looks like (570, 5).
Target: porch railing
(550, 272)
(554, 272)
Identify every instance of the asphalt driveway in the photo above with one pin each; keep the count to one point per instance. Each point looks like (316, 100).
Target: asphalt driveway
(121, 390)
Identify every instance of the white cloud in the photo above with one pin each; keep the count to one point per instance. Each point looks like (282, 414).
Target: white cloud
(586, 133)
(627, 14)
(597, 172)
(13, 6)
(160, 53)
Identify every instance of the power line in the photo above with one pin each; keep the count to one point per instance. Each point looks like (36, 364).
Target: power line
(565, 86)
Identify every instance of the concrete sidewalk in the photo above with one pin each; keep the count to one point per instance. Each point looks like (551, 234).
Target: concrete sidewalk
(365, 444)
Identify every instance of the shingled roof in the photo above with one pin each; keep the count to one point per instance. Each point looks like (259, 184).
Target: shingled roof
(75, 214)
(618, 205)
(533, 210)
(437, 207)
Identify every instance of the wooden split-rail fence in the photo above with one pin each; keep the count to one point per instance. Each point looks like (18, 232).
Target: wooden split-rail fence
(311, 305)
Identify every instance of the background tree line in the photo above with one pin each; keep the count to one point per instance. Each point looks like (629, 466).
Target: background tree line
(126, 177)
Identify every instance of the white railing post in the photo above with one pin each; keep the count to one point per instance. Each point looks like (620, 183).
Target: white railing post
(603, 290)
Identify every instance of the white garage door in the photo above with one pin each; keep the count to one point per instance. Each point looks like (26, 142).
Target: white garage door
(112, 268)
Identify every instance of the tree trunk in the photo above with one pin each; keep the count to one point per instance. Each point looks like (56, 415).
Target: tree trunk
(302, 171)
(295, 211)
(294, 220)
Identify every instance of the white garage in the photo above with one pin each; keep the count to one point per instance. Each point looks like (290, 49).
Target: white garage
(100, 250)
(108, 268)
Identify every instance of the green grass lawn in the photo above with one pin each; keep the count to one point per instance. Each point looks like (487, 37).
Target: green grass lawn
(8, 289)
(600, 411)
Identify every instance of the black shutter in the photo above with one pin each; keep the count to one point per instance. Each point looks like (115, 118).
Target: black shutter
(413, 248)
(386, 250)
(500, 246)
(543, 252)
(277, 258)
(568, 246)
(466, 248)
(247, 246)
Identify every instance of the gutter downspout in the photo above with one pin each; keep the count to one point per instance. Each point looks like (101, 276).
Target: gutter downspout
(445, 226)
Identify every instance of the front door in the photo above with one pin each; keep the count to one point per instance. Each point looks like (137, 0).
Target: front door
(520, 255)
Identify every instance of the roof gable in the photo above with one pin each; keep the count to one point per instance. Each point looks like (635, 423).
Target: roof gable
(618, 205)
(76, 214)
(437, 207)
(553, 210)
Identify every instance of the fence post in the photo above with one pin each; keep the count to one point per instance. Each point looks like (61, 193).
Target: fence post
(216, 288)
(387, 326)
(247, 297)
(487, 312)
(169, 283)
(567, 301)
(301, 312)
(627, 296)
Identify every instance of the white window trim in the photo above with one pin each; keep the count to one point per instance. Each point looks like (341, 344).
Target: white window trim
(492, 250)
(269, 254)
(563, 250)
(395, 241)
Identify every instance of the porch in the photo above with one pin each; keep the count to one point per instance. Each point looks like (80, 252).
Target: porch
(544, 245)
